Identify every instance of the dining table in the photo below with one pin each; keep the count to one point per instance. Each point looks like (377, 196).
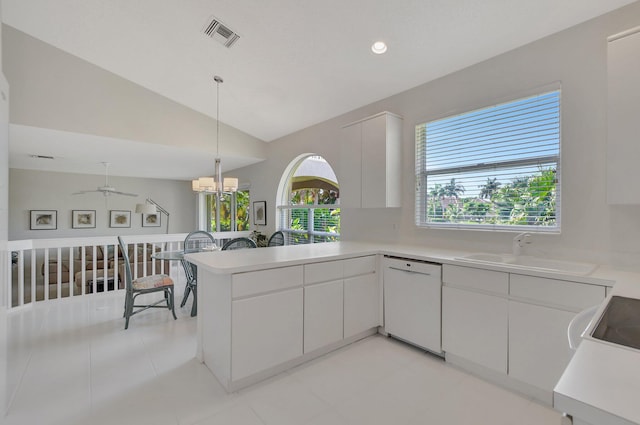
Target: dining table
(189, 269)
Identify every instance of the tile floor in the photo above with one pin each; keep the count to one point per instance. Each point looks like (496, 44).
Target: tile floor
(73, 363)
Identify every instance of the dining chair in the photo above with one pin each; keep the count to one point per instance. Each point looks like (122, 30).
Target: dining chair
(239, 243)
(194, 242)
(142, 286)
(277, 239)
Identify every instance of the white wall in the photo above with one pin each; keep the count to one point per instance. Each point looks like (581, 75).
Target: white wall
(591, 229)
(4, 217)
(40, 190)
(56, 90)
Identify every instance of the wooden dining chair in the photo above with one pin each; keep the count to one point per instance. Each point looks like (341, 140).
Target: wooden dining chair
(142, 286)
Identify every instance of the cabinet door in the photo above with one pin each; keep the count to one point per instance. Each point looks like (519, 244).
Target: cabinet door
(265, 331)
(374, 172)
(323, 313)
(381, 161)
(361, 304)
(350, 175)
(623, 126)
(474, 327)
(538, 345)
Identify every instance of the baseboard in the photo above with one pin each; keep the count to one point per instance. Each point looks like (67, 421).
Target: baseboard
(501, 379)
(239, 384)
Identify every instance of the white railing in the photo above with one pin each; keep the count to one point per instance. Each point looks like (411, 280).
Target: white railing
(48, 269)
(304, 224)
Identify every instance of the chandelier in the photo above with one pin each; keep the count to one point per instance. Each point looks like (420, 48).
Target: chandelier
(216, 184)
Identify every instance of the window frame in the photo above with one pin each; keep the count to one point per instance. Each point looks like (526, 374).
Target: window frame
(421, 173)
(205, 214)
(284, 208)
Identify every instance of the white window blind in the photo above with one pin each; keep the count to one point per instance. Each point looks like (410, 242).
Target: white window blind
(496, 167)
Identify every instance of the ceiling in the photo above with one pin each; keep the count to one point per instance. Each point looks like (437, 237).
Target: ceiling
(296, 63)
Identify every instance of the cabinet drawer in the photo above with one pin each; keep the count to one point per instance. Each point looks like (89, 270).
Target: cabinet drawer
(360, 265)
(323, 272)
(572, 295)
(258, 282)
(469, 277)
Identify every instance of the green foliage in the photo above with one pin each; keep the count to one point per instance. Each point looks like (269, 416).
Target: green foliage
(309, 197)
(226, 222)
(526, 201)
(326, 220)
(489, 188)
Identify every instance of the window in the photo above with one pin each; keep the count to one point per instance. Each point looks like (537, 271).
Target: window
(309, 211)
(492, 168)
(230, 214)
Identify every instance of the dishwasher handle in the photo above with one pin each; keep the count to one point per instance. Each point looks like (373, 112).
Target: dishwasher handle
(409, 271)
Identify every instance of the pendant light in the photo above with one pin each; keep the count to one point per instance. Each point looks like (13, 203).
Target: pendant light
(216, 184)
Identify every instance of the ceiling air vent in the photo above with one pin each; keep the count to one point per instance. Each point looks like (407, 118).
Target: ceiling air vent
(220, 32)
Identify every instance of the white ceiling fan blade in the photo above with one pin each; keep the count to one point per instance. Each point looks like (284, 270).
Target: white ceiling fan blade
(82, 192)
(106, 190)
(115, 192)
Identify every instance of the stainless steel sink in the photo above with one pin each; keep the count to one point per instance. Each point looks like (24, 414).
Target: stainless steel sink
(620, 322)
(531, 262)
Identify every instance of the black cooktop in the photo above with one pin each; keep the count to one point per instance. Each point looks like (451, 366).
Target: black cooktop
(620, 322)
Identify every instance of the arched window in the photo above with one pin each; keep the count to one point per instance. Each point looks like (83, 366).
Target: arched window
(309, 201)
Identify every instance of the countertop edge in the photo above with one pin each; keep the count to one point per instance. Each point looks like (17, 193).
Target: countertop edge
(227, 262)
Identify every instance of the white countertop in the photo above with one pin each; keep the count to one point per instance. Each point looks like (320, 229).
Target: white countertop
(238, 261)
(602, 382)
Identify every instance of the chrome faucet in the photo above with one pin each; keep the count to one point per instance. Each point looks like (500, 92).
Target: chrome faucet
(520, 241)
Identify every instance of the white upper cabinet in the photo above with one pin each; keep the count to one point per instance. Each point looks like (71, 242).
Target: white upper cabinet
(371, 162)
(623, 125)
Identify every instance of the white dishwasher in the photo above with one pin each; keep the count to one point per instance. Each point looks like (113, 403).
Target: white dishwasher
(412, 302)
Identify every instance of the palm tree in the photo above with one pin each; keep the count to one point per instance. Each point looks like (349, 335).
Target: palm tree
(437, 191)
(453, 189)
(489, 188)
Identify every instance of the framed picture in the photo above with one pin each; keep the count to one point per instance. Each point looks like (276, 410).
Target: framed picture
(120, 218)
(260, 213)
(151, 220)
(83, 219)
(43, 219)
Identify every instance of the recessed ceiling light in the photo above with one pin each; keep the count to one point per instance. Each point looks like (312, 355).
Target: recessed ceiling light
(379, 47)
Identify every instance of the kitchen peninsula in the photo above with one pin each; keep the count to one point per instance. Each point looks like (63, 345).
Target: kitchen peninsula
(264, 311)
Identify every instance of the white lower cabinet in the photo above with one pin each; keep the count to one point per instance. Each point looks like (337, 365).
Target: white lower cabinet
(540, 310)
(538, 348)
(323, 314)
(266, 331)
(512, 323)
(361, 304)
(474, 327)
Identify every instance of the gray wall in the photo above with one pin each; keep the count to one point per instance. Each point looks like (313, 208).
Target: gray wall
(591, 229)
(40, 190)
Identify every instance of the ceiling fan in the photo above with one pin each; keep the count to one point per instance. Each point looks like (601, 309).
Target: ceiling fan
(106, 190)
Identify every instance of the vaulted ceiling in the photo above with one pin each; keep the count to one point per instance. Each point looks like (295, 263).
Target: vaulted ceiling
(296, 63)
